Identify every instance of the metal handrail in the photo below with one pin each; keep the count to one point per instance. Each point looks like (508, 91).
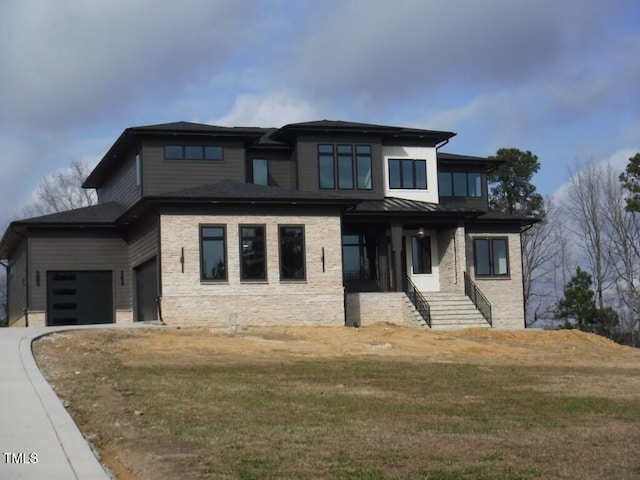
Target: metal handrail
(477, 297)
(418, 300)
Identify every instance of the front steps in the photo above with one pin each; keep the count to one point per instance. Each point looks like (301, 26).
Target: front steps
(453, 310)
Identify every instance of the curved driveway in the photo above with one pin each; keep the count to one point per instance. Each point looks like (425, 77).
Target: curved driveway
(38, 438)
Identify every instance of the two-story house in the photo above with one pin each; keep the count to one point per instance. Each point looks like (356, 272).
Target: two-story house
(318, 223)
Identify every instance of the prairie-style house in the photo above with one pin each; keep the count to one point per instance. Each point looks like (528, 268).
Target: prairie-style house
(317, 223)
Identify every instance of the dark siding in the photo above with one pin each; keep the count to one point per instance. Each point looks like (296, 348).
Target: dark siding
(17, 283)
(77, 250)
(307, 158)
(164, 176)
(143, 241)
(121, 185)
(281, 167)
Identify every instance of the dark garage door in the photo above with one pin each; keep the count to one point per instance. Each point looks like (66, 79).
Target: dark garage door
(79, 298)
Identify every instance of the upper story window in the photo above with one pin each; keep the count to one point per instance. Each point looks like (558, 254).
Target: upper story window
(260, 171)
(344, 165)
(407, 174)
(460, 184)
(138, 169)
(194, 152)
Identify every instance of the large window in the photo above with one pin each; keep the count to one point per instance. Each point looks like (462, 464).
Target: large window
(491, 256)
(421, 254)
(213, 257)
(337, 165)
(260, 171)
(460, 184)
(292, 263)
(194, 152)
(407, 174)
(253, 260)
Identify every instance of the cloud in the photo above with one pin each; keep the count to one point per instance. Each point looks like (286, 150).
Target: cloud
(71, 61)
(272, 109)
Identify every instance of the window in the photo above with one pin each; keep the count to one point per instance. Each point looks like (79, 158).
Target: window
(252, 253)
(491, 256)
(138, 170)
(460, 184)
(407, 174)
(292, 263)
(363, 166)
(326, 167)
(213, 257)
(260, 171)
(338, 165)
(421, 254)
(193, 152)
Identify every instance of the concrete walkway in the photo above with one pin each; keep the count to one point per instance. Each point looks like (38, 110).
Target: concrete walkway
(38, 438)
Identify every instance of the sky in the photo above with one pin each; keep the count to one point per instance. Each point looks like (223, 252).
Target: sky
(558, 78)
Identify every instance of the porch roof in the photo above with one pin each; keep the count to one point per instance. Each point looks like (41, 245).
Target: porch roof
(402, 206)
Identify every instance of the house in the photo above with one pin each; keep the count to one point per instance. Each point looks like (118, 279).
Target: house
(317, 223)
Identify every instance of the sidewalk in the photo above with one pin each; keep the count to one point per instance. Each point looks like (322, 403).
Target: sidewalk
(38, 438)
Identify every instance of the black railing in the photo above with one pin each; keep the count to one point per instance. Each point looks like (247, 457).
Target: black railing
(478, 299)
(356, 281)
(418, 301)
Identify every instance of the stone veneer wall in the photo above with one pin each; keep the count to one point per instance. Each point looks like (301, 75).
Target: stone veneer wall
(367, 308)
(319, 300)
(451, 249)
(505, 294)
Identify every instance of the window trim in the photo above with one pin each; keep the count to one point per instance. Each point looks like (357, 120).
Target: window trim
(304, 253)
(414, 176)
(467, 184)
(253, 170)
(201, 228)
(264, 239)
(492, 263)
(183, 156)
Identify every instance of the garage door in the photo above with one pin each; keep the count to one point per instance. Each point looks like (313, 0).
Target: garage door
(79, 298)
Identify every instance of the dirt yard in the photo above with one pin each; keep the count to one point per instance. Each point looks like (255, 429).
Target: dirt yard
(81, 366)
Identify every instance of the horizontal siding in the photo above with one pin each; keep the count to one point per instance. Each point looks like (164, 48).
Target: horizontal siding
(143, 242)
(282, 168)
(121, 185)
(164, 176)
(307, 158)
(17, 294)
(77, 251)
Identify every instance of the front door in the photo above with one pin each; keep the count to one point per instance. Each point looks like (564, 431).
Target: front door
(422, 261)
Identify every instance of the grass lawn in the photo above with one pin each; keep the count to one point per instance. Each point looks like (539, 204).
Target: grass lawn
(345, 417)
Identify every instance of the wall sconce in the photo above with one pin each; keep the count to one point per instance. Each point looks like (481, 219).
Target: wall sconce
(122, 278)
(421, 232)
(182, 259)
(38, 278)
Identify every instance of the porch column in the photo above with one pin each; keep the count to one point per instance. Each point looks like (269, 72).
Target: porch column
(396, 252)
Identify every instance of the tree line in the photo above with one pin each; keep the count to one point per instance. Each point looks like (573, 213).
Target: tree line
(581, 262)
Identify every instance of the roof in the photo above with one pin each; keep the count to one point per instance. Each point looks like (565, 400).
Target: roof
(288, 131)
(101, 215)
(452, 158)
(504, 217)
(399, 206)
(234, 191)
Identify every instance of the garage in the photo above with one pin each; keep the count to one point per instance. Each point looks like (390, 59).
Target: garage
(79, 297)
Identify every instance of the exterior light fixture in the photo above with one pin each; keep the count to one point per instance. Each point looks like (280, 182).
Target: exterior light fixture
(421, 232)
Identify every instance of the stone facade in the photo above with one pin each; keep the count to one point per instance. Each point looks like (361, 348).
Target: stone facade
(452, 258)
(506, 294)
(188, 300)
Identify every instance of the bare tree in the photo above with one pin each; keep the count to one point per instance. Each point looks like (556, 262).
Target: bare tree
(62, 190)
(586, 210)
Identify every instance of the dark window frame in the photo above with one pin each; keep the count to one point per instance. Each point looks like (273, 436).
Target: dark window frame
(223, 238)
(407, 183)
(334, 159)
(418, 255)
(241, 238)
(451, 184)
(281, 243)
(203, 157)
(492, 261)
(253, 170)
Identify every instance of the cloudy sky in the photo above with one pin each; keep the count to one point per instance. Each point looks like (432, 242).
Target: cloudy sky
(559, 78)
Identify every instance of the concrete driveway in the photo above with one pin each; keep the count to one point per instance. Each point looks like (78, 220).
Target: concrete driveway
(38, 438)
